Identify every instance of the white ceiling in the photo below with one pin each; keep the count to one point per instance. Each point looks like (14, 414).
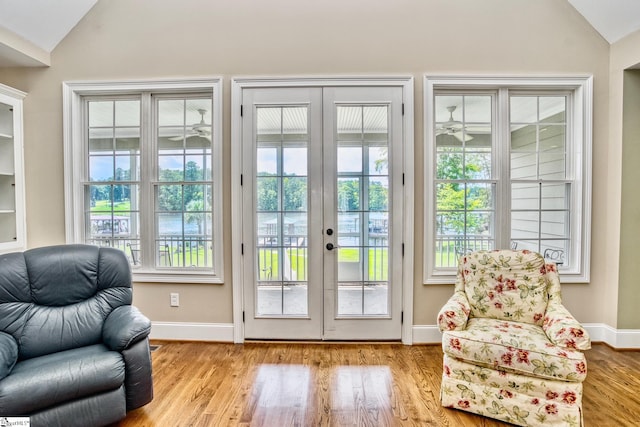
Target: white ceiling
(42, 24)
(613, 19)
(31, 29)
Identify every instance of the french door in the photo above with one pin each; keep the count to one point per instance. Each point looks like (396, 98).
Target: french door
(322, 201)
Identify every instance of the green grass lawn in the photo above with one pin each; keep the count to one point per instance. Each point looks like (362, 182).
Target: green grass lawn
(105, 206)
(268, 262)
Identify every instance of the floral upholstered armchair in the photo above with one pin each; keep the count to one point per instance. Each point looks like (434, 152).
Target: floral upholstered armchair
(512, 351)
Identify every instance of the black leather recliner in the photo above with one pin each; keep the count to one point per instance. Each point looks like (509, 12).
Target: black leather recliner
(73, 350)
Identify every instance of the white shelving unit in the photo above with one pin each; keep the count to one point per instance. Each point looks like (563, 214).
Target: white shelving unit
(12, 212)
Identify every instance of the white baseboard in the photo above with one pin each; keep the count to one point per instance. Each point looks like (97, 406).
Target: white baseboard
(426, 334)
(221, 332)
(599, 332)
(422, 334)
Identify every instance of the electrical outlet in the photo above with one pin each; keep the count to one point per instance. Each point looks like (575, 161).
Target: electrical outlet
(175, 299)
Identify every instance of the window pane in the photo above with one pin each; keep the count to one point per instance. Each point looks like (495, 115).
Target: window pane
(100, 141)
(479, 196)
(127, 168)
(349, 159)
(170, 198)
(128, 139)
(112, 217)
(349, 123)
(295, 194)
(267, 161)
(294, 123)
(268, 124)
(349, 194)
(378, 161)
(555, 196)
(552, 138)
(127, 113)
(378, 193)
(553, 109)
(525, 196)
(524, 109)
(267, 194)
(101, 168)
(194, 168)
(450, 165)
(171, 112)
(477, 165)
(100, 113)
(477, 109)
(294, 161)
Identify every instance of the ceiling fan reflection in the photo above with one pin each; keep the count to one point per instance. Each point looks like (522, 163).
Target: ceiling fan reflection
(201, 129)
(453, 127)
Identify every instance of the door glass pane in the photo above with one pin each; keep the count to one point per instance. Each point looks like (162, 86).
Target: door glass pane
(363, 194)
(281, 200)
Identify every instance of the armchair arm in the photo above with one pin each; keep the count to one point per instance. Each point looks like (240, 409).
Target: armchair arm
(563, 329)
(455, 313)
(8, 354)
(125, 326)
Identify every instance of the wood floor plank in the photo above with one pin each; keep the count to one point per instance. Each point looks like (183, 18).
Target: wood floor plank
(342, 384)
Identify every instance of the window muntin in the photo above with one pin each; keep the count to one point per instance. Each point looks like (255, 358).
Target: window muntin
(183, 191)
(464, 185)
(564, 194)
(539, 171)
(111, 191)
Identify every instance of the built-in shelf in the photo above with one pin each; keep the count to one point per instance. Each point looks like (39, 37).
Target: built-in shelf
(12, 206)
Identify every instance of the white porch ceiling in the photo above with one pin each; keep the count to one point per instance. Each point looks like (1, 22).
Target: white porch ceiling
(31, 29)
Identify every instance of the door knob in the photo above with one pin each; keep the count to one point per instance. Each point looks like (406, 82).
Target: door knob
(330, 246)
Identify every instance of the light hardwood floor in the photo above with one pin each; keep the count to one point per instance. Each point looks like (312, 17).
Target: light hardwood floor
(331, 384)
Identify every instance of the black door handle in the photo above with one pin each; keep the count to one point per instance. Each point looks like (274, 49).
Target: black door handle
(330, 246)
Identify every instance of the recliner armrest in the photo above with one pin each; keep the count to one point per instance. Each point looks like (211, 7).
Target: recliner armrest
(563, 329)
(455, 313)
(8, 354)
(125, 326)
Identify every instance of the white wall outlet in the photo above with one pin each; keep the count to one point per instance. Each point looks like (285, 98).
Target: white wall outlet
(175, 299)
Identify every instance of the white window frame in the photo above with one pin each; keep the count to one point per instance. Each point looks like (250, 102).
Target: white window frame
(580, 135)
(75, 154)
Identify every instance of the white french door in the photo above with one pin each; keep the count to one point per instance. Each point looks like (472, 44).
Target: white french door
(322, 201)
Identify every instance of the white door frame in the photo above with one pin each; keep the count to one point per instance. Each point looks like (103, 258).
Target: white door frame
(237, 86)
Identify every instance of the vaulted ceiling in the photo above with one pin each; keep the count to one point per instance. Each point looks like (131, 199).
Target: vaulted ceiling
(30, 30)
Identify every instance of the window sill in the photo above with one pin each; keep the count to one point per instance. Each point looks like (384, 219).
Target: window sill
(175, 277)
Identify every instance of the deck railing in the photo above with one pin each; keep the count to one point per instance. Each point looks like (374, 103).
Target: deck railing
(449, 248)
(172, 251)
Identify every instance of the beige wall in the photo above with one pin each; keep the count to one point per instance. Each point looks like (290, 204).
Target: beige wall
(625, 133)
(121, 39)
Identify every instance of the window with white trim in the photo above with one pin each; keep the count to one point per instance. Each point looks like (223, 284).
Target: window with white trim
(507, 166)
(143, 174)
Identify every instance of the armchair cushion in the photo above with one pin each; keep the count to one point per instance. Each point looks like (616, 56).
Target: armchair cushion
(45, 381)
(514, 347)
(505, 285)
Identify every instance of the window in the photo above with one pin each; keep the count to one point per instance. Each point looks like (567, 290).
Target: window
(143, 174)
(507, 165)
